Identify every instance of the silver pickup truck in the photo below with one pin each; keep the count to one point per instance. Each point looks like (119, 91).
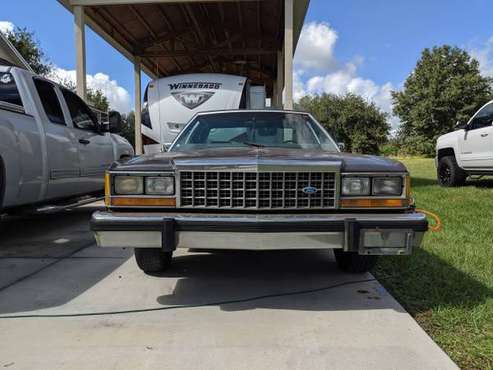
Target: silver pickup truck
(51, 144)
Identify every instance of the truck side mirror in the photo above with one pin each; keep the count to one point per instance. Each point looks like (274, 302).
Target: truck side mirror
(341, 146)
(115, 122)
(461, 126)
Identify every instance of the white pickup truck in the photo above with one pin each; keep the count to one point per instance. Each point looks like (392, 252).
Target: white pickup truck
(51, 145)
(467, 151)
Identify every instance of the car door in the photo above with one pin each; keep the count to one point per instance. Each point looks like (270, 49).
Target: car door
(95, 147)
(62, 153)
(476, 145)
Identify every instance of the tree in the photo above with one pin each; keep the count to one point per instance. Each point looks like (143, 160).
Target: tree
(445, 87)
(98, 100)
(128, 129)
(30, 49)
(95, 97)
(359, 124)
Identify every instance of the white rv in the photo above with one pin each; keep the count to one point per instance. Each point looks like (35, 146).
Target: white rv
(170, 102)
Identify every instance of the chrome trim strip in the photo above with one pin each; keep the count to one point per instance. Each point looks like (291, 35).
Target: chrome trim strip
(143, 217)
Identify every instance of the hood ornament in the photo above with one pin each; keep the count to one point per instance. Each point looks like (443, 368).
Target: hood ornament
(192, 100)
(310, 190)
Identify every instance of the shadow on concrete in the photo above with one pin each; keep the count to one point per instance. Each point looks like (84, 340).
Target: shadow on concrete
(42, 263)
(232, 275)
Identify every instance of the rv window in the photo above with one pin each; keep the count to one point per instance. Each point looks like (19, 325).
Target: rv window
(8, 90)
(145, 94)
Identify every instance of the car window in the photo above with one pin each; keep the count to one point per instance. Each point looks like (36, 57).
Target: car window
(9, 94)
(484, 118)
(226, 134)
(82, 116)
(49, 100)
(243, 129)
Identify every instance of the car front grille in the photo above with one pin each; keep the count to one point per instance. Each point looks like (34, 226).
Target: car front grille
(262, 190)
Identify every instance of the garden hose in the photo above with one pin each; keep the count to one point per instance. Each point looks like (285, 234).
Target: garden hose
(437, 226)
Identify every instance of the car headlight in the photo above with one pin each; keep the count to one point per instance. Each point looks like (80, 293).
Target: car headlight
(355, 186)
(129, 185)
(164, 185)
(387, 186)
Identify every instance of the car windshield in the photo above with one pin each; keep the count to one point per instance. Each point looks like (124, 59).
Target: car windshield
(255, 129)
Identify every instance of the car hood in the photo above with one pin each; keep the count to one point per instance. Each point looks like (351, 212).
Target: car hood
(247, 157)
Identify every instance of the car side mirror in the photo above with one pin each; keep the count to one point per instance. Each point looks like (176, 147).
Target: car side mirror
(341, 146)
(115, 125)
(461, 126)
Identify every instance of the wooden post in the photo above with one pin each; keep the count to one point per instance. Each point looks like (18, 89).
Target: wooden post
(138, 106)
(288, 53)
(280, 79)
(80, 48)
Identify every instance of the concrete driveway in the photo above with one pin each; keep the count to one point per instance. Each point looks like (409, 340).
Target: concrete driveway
(228, 310)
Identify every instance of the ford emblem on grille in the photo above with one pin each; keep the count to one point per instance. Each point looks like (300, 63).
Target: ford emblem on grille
(310, 190)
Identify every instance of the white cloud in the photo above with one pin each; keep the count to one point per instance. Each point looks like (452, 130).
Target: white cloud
(6, 26)
(318, 71)
(484, 56)
(316, 47)
(118, 97)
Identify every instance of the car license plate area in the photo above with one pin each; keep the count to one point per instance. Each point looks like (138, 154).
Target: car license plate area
(386, 241)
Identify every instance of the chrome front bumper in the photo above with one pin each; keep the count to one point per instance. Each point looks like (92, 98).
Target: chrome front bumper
(387, 233)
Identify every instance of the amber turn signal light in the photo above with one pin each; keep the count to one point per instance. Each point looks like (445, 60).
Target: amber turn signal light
(143, 202)
(374, 203)
(107, 189)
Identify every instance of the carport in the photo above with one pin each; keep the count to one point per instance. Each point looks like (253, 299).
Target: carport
(253, 38)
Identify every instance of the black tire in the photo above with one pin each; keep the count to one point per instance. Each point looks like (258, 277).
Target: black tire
(449, 173)
(353, 262)
(152, 260)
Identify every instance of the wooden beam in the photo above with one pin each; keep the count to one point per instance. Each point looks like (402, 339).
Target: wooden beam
(109, 38)
(138, 106)
(288, 54)
(80, 51)
(279, 79)
(151, 32)
(136, 2)
(198, 32)
(207, 52)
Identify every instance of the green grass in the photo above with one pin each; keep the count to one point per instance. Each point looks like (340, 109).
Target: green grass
(448, 284)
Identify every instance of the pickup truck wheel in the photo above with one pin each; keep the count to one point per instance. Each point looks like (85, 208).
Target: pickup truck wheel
(449, 173)
(353, 262)
(152, 259)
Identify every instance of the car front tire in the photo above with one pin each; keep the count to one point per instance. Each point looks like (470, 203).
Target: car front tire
(353, 262)
(449, 173)
(152, 260)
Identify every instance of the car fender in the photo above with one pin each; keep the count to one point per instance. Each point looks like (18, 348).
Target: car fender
(121, 147)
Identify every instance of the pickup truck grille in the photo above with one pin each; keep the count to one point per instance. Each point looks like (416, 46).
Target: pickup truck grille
(252, 190)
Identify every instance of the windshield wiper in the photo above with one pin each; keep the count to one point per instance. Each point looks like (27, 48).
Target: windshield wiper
(239, 142)
(252, 144)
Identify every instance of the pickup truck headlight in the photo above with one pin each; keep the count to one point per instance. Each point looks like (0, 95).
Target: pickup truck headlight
(387, 186)
(355, 186)
(164, 185)
(129, 185)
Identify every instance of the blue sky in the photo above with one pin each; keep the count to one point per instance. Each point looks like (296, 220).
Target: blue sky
(367, 47)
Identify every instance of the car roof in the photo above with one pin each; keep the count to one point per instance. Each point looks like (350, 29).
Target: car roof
(223, 111)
